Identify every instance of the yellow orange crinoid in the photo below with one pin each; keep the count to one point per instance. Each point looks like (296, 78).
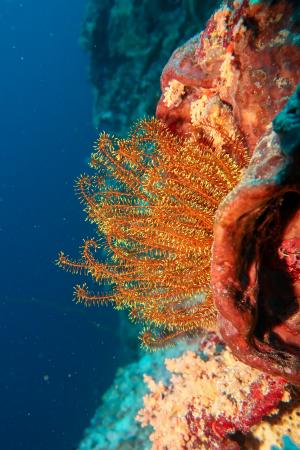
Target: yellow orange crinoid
(153, 199)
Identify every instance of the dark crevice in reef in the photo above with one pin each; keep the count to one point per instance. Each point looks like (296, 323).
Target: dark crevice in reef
(276, 298)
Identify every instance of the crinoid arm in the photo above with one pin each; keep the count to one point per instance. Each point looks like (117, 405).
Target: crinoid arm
(153, 200)
(83, 295)
(68, 264)
(152, 341)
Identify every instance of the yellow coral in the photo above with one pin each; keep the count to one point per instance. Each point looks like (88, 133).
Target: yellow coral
(198, 110)
(269, 433)
(226, 70)
(219, 387)
(173, 93)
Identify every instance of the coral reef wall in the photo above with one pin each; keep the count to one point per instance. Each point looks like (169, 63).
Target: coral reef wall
(198, 397)
(129, 42)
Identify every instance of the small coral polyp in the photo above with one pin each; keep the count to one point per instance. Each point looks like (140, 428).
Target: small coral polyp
(153, 200)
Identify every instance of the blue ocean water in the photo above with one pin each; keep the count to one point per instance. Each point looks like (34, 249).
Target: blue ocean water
(56, 357)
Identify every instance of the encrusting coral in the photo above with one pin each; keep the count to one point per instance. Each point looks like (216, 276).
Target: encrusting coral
(221, 381)
(270, 431)
(153, 200)
(173, 93)
(213, 401)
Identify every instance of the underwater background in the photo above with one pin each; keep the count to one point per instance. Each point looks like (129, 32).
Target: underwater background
(57, 357)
